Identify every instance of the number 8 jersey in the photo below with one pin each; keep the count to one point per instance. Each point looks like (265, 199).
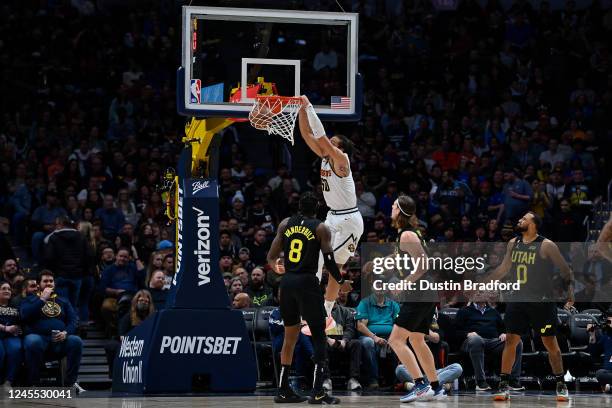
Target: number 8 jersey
(301, 246)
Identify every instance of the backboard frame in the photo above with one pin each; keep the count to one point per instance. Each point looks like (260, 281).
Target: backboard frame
(187, 108)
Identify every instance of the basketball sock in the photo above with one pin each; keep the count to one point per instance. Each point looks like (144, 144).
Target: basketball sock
(559, 378)
(283, 383)
(317, 384)
(435, 385)
(419, 380)
(329, 305)
(505, 377)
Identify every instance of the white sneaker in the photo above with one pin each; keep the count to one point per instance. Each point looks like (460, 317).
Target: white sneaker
(607, 389)
(408, 385)
(327, 385)
(77, 388)
(353, 384)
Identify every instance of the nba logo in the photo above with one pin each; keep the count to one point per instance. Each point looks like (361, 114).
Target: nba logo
(196, 86)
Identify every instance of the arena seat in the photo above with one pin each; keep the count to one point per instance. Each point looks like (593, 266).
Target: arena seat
(249, 319)
(579, 338)
(596, 313)
(263, 344)
(446, 322)
(563, 316)
(534, 358)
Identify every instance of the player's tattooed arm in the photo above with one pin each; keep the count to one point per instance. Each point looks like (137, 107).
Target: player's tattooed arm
(410, 242)
(603, 245)
(550, 250)
(277, 246)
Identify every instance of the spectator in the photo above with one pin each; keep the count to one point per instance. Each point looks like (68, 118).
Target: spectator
(517, 196)
(602, 344)
(119, 282)
(342, 343)
(244, 259)
(259, 247)
(260, 294)
(88, 281)
(156, 289)
(49, 325)
(9, 270)
(325, 59)
(66, 255)
(156, 260)
(366, 201)
(10, 341)
(446, 376)
(375, 316)
(168, 268)
(28, 287)
(241, 301)
(43, 220)
(107, 258)
(226, 247)
(235, 288)
(568, 224)
(141, 307)
(481, 329)
(552, 156)
(112, 218)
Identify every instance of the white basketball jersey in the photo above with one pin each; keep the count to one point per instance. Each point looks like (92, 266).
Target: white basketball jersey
(339, 192)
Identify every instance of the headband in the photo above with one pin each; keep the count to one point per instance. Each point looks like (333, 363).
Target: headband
(403, 212)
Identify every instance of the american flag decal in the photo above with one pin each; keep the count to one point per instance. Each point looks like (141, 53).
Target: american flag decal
(340, 102)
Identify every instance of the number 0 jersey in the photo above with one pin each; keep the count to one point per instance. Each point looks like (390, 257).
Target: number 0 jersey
(339, 192)
(529, 268)
(301, 246)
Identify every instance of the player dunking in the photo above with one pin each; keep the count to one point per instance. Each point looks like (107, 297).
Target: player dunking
(415, 317)
(530, 258)
(343, 219)
(301, 238)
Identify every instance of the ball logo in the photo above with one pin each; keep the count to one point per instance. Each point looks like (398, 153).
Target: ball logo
(196, 87)
(198, 186)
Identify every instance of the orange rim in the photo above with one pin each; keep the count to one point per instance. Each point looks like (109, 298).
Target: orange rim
(283, 99)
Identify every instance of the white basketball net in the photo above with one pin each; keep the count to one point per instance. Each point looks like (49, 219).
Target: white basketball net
(276, 115)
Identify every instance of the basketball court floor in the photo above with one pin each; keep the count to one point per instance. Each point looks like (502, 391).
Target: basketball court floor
(106, 400)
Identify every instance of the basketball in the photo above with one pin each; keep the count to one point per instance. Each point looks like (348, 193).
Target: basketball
(261, 117)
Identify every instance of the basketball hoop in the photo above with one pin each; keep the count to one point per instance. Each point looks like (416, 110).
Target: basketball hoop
(275, 114)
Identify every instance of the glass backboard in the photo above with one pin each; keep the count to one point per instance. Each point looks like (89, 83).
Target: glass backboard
(300, 52)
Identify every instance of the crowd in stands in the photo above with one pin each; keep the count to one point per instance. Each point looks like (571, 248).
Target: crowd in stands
(479, 114)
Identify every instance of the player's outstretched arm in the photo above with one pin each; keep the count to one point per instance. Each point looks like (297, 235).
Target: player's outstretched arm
(277, 246)
(313, 134)
(503, 268)
(324, 236)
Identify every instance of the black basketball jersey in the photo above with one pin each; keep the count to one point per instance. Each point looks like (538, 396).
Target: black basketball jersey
(301, 246)
(529, 268)
(398, 249)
